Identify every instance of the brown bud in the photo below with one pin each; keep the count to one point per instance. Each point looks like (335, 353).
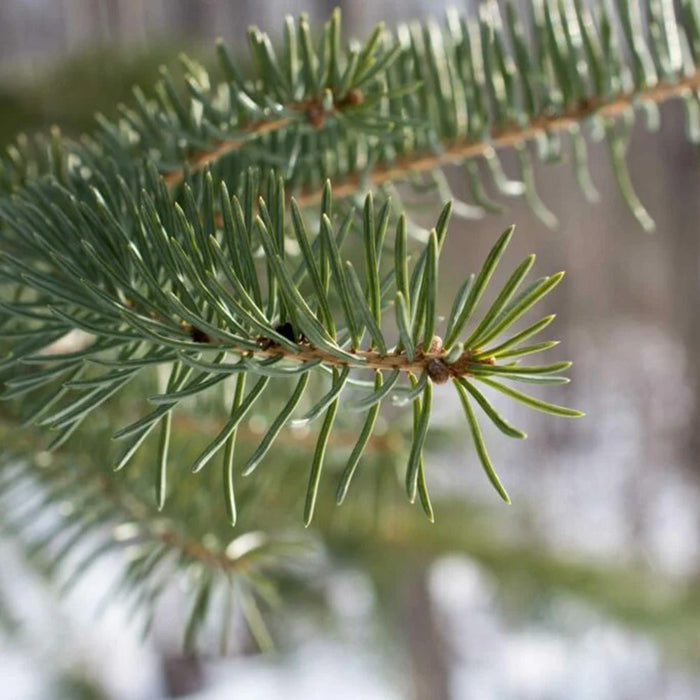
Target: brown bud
(199, 336)
(316, 116)
(438, 371)
(264, 343)
(286, 329)
(354, 97)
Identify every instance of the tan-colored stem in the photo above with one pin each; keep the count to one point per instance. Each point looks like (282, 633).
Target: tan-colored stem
(431, 361)
(366, 359)
(201, 159)
(454, 153)
(311, 109)
(503, 137)
(159, 529)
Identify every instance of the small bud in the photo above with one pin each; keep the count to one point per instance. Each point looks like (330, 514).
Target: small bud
(287, 330)
(435, 345)
(316, 116)
(199, 336)
(354, 97)
(438, 371)
(264, 343)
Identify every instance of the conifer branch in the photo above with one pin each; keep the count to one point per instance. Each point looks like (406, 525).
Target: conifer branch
(163, 531)
(170, 237)
(159, 550)
(312, 111)
(406, 102)
(200, 160)
(173, 297)
(504, 137)
(435, 360)
(413, 100)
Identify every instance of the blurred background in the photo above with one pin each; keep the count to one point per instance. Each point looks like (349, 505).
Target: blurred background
(587, 587)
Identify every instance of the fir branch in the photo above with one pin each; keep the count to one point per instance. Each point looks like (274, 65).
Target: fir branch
(199, 161)
(174, 237)
(504, 137)
(408, 101)
(447, 94)
(157, 550)
(150, 297)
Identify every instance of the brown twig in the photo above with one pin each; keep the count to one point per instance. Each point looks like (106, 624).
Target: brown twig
(312, 109)
(201, 159)
(433, 361)
(503, 137)
(454, 153)
(156, 528)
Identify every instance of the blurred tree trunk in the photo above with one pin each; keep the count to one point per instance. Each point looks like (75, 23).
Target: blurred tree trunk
(680, 183)
(7, 43)
(425, 645)
(182, 675)
(195, 17)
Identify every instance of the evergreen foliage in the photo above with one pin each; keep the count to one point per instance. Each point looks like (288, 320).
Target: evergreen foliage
(240, 242)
